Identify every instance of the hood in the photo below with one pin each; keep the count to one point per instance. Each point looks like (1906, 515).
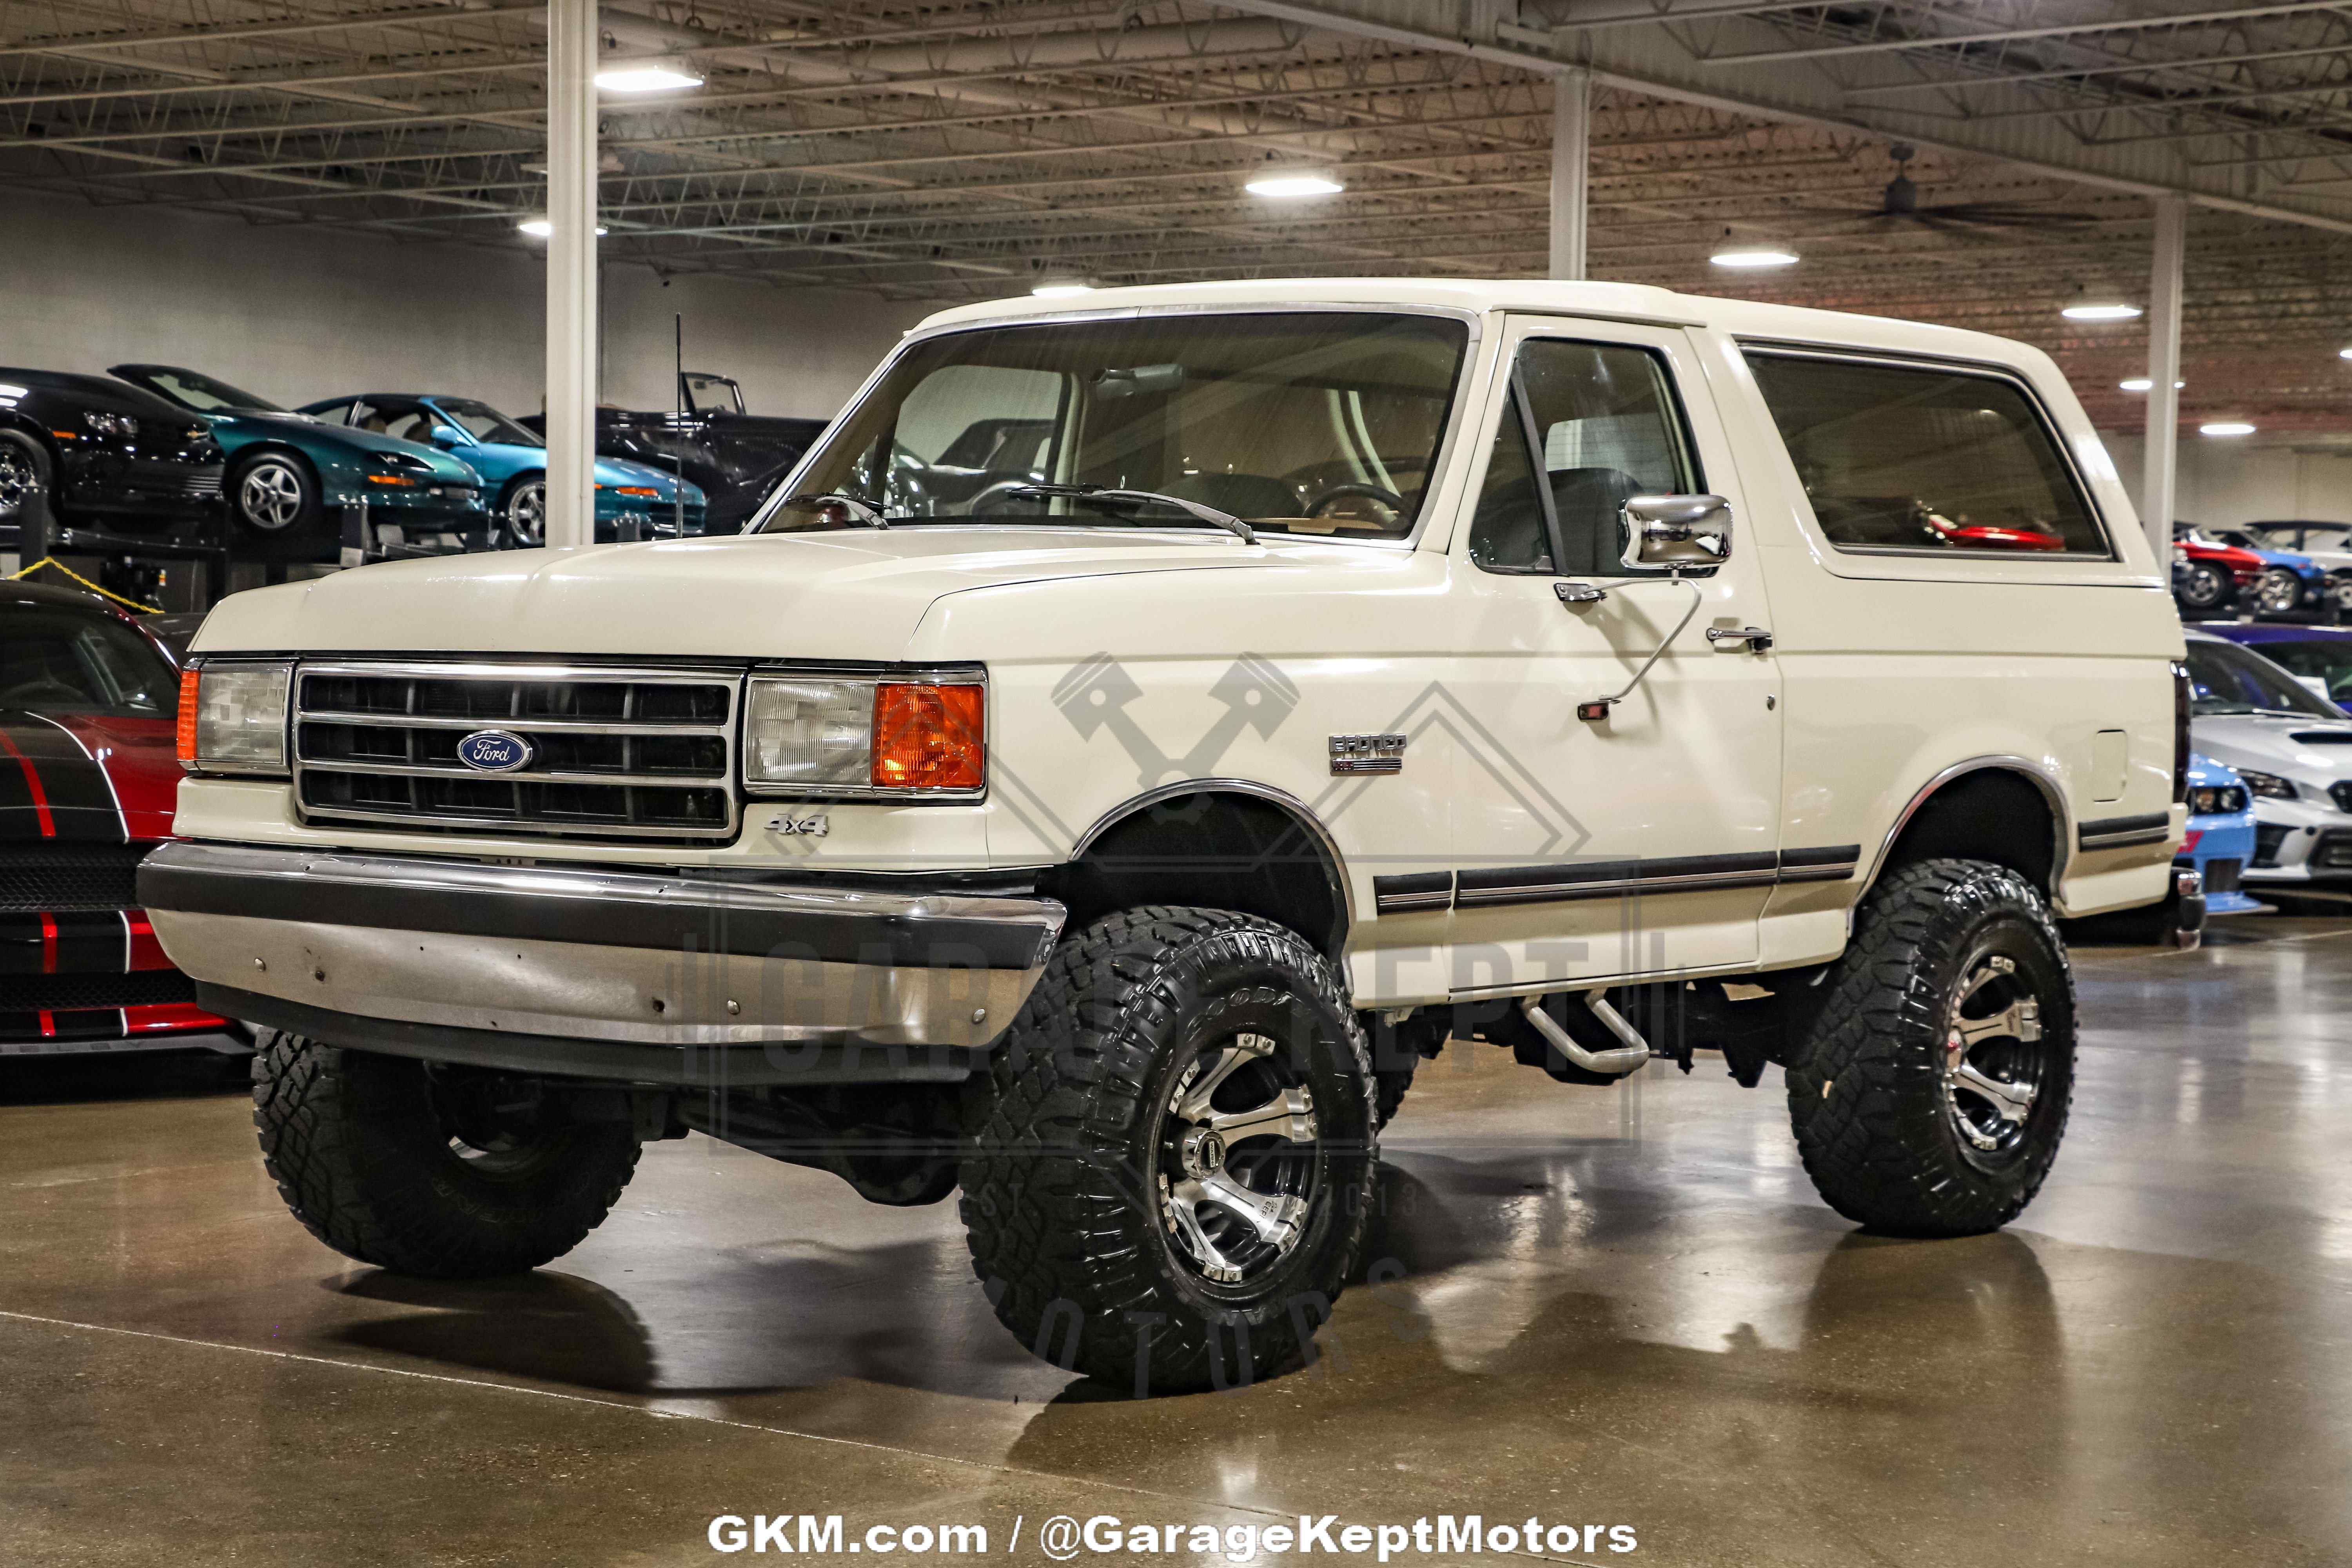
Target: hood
(846, 594)
(93, 779)
(2204, 773)
(2315, 751)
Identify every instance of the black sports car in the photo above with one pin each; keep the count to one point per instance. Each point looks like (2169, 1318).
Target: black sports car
(103, 455)
(737, 458)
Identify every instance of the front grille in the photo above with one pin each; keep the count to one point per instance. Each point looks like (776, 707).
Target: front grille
(2341, 792)
(2269, 839)
(63, 879)
(2220, 876)
(64, 993)
(614, 753)
(203, 484)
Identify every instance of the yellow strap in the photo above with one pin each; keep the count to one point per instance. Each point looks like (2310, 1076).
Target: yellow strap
(51, 562)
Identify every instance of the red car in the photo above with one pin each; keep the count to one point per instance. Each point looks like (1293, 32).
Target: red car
(89, 701)
(2207, 578)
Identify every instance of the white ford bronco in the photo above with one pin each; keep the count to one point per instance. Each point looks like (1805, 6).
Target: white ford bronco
(1145, 727)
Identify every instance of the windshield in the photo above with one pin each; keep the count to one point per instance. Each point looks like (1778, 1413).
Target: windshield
(484, 422)
(201, 392)
(2224, 678)
(1323, 423)
(2327, 660)
(54, 661)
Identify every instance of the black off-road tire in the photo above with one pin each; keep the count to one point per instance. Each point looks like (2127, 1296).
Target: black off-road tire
(361, 1156)
(1867, 1097)
(1062, 1203)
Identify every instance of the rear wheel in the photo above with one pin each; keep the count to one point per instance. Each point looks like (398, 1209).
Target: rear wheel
(523, 513)
(1930, 1090)
(445, 1172)
(275, 494)
(1169, 1171)
(2277, 592)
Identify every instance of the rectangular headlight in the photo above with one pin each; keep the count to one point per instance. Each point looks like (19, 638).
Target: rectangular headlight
(865, 736)
(233, 718)
(808, 733)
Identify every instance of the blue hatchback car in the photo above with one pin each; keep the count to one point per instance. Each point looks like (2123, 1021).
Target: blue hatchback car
(2319, 657)
(634, 500)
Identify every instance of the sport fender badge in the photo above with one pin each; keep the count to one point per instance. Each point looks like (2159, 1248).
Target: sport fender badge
(493, 752)
(1367, 754)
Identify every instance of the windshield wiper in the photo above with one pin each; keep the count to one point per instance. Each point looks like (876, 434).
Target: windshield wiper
(863, 512)
(1207, 514)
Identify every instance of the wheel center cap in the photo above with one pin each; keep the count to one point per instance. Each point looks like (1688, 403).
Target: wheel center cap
(1203, 1152)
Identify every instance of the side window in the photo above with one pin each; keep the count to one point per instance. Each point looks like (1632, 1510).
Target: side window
(1925, 458)
(967, 429)
(1609, 429)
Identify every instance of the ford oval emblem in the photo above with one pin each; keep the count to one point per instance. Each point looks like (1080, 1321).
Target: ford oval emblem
(493, 752)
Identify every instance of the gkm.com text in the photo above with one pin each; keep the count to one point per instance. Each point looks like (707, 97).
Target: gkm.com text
(1063, 1538)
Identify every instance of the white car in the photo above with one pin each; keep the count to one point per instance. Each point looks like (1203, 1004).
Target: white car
(1336, 672)
(2293, 748)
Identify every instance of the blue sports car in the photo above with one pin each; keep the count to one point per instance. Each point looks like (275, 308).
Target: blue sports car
(2319, 657)
(2221, 833)
(634, 500)
(2291, 584)
(290, 477)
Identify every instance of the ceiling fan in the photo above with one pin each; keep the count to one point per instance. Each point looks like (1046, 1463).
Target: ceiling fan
(1901, 204)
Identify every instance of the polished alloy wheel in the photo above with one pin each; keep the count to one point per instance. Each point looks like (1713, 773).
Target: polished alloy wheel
(1993, 1059)
(1239, 1165)
(526, 513)
(19, 482)
(270, 496)
(2277, 590)
(2339, 593)
(2202, 587)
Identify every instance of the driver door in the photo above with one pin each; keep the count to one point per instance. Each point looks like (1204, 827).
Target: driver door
(1644, 842)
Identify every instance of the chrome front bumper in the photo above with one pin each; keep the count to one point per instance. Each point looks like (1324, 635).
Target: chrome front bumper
(621, 957)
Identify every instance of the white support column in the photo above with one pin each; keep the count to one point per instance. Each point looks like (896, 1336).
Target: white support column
(1571, 144)
(572, 40)
(2157, 487)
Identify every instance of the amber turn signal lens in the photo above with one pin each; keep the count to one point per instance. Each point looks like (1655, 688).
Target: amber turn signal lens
(929, 737)
(185, 734)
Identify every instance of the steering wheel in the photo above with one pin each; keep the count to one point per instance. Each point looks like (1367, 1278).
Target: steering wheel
(1394, 502)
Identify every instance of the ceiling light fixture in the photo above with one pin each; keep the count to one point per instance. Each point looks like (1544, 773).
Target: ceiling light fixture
(540, 228)
(1292, 182)
(2101, 311)
(644, 79)
(2226, 427)
(2142, 383)
(2344, 354)
(1749, 257)
(1061, 287)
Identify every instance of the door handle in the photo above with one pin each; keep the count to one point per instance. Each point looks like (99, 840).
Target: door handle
(1755, 639)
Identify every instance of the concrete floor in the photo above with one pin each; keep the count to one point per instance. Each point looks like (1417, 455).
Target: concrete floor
(1605, 1307)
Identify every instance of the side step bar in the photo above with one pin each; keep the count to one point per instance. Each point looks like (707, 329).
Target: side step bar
(1616, 1062)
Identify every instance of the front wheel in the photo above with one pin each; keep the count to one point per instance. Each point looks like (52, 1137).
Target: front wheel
(1930, 1088)
(24, 476)
(451, 1172)
(523, 513)
(2203, 587)
(1168, 1171)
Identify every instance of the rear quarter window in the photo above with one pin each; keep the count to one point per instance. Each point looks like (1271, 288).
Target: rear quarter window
(1926, 459)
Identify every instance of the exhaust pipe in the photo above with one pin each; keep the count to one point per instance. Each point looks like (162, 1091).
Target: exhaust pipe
(1617, 1062)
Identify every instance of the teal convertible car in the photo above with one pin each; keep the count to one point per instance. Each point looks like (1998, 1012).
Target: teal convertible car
(634, 500)
(288, 475)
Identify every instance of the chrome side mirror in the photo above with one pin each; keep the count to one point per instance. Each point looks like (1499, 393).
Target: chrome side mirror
(1683, 533)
